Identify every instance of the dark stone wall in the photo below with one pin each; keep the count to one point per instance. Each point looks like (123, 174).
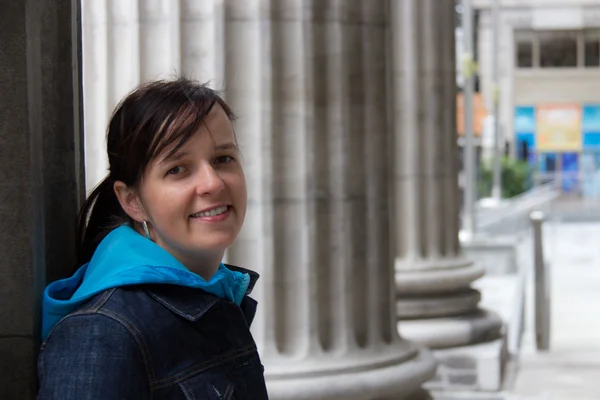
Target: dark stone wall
(41, 172)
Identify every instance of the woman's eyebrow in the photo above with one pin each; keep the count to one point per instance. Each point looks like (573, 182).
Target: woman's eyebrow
(181, 154)
(174, 157)
(227, 146)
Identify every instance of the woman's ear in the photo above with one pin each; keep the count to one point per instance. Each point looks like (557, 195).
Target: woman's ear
(130, 201)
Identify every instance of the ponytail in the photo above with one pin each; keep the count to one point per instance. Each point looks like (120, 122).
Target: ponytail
(100, 214)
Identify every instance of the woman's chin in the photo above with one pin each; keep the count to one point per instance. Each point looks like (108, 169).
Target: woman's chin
(216, 243)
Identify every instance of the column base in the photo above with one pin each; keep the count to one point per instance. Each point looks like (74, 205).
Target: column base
(475, 368)
(397, 381)
(421, 394)
(437, 333)
(440, 305)
(437, 276)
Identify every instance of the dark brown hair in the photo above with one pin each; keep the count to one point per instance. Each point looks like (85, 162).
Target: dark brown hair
(151, 118)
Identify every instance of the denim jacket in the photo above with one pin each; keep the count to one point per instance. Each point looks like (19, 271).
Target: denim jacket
(154, 341)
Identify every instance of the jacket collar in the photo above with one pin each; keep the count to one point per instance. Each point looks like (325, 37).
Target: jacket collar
(192, 303)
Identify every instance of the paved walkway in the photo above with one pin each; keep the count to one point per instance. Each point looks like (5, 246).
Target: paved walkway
(571, 369)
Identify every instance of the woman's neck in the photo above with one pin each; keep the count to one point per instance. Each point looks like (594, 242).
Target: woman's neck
(205, 265)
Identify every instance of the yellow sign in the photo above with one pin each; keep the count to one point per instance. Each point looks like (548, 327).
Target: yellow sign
(558, 127)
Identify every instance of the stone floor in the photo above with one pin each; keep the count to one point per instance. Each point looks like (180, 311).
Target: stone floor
(571, 369)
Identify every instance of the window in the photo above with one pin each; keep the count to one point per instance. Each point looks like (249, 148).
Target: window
(525, 53)
(525, 49)
(592, 51)
(558, 49)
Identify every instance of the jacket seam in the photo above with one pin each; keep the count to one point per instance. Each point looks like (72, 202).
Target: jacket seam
(229, 392)
(119, 319)
(186, 391)
(190, 317)
(41, 365)
(99, 303)
(88, 309)
(139, 339)
(201, 367)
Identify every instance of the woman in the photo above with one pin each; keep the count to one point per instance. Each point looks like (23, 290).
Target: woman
(152, 312)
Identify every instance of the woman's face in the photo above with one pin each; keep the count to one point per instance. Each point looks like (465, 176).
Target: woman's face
(195, 200)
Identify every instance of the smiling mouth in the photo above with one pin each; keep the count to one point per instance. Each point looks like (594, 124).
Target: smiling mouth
(211, 213)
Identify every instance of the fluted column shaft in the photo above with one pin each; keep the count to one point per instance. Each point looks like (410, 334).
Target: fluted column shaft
(432, 278)
(425, 149)
(126, 42)
(159, 34)
(319, 197)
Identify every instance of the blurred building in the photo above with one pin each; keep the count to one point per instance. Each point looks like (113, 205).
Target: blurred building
(549, 82)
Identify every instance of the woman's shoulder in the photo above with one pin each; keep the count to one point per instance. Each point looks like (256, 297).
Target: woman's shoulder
(133, 307)
(91, 330)
(101, 314)
(92, 350)
(145, 310)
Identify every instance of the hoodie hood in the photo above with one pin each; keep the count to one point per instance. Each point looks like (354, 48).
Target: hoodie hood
(124, 258)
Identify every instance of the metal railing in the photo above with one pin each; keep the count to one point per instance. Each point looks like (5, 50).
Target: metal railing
(511, 216)
(542, 284)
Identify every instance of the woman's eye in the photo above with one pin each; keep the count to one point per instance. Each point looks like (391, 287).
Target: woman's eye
(223, 160)
(175, 170)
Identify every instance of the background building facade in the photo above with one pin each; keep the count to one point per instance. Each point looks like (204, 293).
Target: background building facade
(549, 67)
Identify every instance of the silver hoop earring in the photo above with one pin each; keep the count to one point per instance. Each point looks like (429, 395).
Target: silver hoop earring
(146, 230)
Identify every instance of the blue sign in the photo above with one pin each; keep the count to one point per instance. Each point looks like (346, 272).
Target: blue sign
(591, 140)
(526, 137)
(524, 119)
(591, 118)
(590, 126)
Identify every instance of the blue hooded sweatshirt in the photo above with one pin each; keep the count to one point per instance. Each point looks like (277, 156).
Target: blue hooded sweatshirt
(123, 258)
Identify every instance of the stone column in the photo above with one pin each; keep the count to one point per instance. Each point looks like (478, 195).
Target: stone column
(310, 89)
(111, 44)
(131, 41)
(435, 303)
(202, 41)
(41, 178)
(96, 81)
(159, 38)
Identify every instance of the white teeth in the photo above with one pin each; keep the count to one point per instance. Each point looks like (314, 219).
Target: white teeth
(211, 213)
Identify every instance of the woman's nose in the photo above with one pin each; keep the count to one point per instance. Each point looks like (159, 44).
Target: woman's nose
(209, 182)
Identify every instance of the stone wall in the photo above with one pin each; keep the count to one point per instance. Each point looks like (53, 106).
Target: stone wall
(41, 172)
